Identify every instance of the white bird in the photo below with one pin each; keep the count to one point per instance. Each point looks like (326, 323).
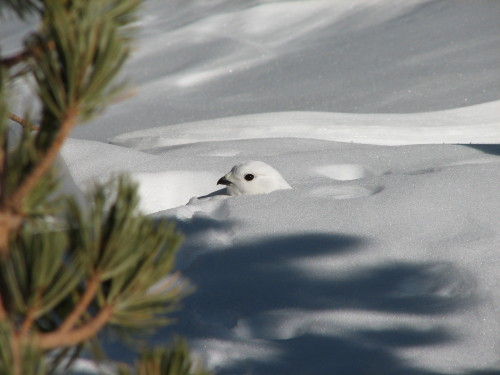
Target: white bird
(253, 177)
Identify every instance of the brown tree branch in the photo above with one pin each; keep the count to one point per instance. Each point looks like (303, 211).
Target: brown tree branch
(30, 181)
(16, 355)
(78, 335)
(4, 237)
(10, 207)
(83, 303)
(4, 222)
(30, 316)
(3, 313)
(9, 221)
(22, 56)
(4, 167)
(27, 323)
(67, 334)
(19, 57)
(22, 121)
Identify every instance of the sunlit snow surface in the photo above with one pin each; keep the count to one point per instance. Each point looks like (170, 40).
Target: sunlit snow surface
(383, 117)
(381, 259)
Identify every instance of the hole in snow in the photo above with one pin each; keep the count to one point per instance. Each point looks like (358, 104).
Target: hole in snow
(343, 172)
(345, 192)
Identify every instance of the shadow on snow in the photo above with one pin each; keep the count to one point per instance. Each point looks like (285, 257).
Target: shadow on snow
(493, 149)
(254, 280)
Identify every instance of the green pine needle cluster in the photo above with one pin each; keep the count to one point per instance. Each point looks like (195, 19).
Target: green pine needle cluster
(175, 360)
(22, 8)
(31, 357)
(105, 242)
(77, 54)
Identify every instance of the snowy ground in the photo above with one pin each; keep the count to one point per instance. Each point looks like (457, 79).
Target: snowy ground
(384, 117)
(382, 259)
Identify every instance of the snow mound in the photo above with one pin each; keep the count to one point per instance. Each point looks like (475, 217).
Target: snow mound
(474, 124)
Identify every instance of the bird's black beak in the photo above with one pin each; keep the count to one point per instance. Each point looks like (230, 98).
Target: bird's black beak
(223, 181)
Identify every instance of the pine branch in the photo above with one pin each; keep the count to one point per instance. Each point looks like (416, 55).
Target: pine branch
(4, 167)
(4, 235)
(58, 339)
(4, 147)
(173, 360)
(64, 280)
(3, 313)
(22, 121)
(9, 221)
(66, 335)
(24, 55)
(16, 356)
(28, 321)
(23, 8)
(11, 206)
(18, 58)
(15, 201)
(30, 318)
(84, 302)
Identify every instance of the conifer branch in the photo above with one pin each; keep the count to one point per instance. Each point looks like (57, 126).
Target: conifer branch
(28, 321)
(84, 302)
(4, 236)
(22, 56)
(16, 355)
(15, 201)
(4, 165)
(22, 121)
(3, 313)
(58, 339)
(19, 57)
(46, 303)
(4, 220)
(66, 334)
(9, 221)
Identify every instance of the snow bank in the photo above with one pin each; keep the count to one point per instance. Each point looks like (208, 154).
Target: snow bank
(475, 124)
(381, 258)
(393, 270)
(160, 187)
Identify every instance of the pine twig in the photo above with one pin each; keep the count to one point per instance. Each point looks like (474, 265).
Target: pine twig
(4, 167)
(30, 317)
(9, 221)
(27, 323)
(16, 355)
(22, 121)
(22, 56)
(83, 303)
(59, 339)
(3, 313)
(4, 219)
(67, 334)
(4, 235)
(9, 62)
(30, 181)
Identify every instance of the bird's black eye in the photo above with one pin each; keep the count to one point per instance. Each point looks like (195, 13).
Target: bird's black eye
(249, 177)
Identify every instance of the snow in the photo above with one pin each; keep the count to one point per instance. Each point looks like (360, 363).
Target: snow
(475, 124)
(384, 118)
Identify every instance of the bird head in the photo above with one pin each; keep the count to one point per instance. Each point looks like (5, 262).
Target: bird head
(253, 177)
